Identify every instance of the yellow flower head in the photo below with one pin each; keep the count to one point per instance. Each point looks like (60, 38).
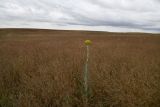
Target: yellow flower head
(88, 42)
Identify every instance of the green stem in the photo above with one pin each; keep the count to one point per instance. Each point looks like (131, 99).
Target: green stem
(86, 74)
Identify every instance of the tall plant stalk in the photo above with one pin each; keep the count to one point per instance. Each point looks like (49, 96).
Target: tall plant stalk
(86, 73)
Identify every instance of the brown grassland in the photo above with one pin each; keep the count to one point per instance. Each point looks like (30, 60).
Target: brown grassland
(44, 68)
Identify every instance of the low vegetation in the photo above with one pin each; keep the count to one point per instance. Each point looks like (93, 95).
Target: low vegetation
(42, 68)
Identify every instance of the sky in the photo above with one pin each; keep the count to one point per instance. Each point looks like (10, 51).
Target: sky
(99, 15)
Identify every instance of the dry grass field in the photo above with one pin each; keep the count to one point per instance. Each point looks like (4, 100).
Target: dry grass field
(44, 68)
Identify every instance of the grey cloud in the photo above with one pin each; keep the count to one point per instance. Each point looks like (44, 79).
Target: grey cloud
(131, 14)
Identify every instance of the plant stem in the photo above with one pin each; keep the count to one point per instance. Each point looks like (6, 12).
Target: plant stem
(86, 75)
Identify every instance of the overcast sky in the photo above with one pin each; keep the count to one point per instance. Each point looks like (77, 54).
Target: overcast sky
(105, 15)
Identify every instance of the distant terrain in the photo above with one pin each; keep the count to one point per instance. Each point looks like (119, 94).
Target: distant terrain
(45, 68)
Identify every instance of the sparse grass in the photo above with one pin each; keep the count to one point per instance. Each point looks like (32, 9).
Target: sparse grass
(45, 69)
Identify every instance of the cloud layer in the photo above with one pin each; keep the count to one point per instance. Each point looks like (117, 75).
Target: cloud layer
(105, 15)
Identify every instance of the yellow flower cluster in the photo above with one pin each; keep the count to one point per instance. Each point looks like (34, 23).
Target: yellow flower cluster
(88, 42)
